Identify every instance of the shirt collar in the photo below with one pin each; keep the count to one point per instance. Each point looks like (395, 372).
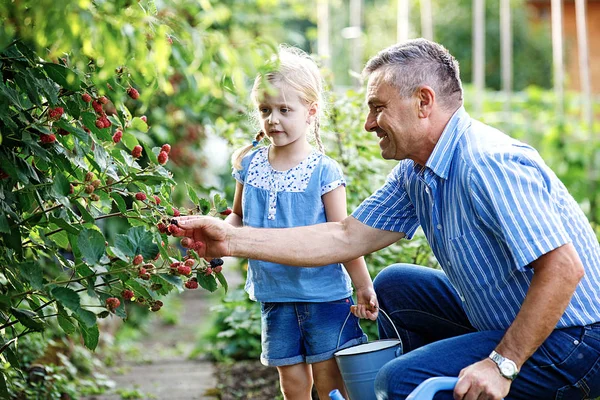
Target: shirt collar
(440, 159)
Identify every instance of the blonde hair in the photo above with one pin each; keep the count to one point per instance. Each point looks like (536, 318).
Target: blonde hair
(298, 71)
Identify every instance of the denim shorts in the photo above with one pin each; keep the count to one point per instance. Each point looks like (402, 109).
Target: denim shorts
(307, 332)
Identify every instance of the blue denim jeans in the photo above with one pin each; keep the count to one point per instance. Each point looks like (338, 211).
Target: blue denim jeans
(438, 340)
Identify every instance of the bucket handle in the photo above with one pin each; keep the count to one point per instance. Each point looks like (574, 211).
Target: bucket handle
(384, 313)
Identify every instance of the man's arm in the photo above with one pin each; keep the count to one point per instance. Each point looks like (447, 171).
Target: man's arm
(310, 246)
(556, 276)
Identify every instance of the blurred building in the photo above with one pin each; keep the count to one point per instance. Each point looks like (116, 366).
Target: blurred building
(541, 13)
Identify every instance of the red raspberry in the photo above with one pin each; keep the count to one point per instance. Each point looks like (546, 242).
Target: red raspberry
(47, 139)
(133, 93)
(55, 113)
(63, 132)
(97, 107)
(226, 212)
(175, 265)
(86, 97)
(174, 229)
(127, 294)
(163, 157)
(162, 228)
(144, 118)
(176, 212)
(218, 269)
(103, 99)
(166, 148)
(117, 136)
(156, 199)
(189, 263)
(191, 284)
(138, 260)
(145, 276)
(106, 122)
(186, 242)
(100, 123)
(208, 271)
(137, 151)
(140, 196)
(184, 270)
(112, 303)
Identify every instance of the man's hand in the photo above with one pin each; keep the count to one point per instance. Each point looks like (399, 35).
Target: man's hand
(481, 380)
(367, 305)
(212, 233)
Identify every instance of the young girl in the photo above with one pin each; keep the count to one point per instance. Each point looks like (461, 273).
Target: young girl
(284, 184)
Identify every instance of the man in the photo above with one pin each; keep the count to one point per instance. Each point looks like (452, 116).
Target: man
(516, 311)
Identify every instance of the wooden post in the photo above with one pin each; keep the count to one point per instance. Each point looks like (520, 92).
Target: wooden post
(323, 49)
(403, 24)
(557, 57)
(506, 53)
(426, 20)
(479, 53)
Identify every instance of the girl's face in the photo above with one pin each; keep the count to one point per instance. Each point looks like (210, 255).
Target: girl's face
(285, 117)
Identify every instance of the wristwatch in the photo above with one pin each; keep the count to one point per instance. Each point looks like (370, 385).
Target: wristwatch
(507, 368)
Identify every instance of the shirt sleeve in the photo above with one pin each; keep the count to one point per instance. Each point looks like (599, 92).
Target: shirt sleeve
(240, 175)
(332, 176)
(390, 207)
(513, 197)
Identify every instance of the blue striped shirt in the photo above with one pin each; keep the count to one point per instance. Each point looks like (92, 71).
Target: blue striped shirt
(489, 206)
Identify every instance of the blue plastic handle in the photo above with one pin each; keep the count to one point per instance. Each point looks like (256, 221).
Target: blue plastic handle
(427, 389)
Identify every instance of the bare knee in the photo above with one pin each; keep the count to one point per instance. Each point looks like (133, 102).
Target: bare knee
(295, 381)
(327, 377)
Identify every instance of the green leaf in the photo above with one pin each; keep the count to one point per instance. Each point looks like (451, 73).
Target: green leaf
(66, 323)
(124, 246)
(92, 245)
(63, 76)
(192, 194)
(88, 318)
(61, 185)
(3, 388)
(67, 297)
(129, 140)
(87, 217)
(222, 280)
(119, 201)
(90, 335)
(65, 225)
(172, 279)
(142, 240)
(207, 282)
(33, 273)
(4, 226)
(204, 206)
(138, 124)
(26, 318)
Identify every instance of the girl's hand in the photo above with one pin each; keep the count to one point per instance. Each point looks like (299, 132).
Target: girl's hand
(367, 306)
(209, 234)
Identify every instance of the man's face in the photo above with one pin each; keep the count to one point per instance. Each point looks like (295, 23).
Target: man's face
(394, 119)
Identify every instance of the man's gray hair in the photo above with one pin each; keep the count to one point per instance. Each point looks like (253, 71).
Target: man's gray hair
(418, 62)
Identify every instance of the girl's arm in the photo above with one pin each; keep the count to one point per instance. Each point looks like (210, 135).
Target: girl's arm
(235, 218)
(367, 304)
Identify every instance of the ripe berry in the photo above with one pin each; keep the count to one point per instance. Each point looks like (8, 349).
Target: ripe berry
(86, 97)
(140, 196)
(156, 199)
(103, 99)
(163, 158)
(97, 107)
(112, 303)
(175, 265)
(216, 262)
(46, 139)
(218, 269)
(145, 276)
(166, 148)
(189, 263)
(133, 93)
(55, 113)
(226, 211)
(127, 294)
(144, 118)
(186, 242)
(138, 260)
(184, 270)
(117, 136)
(176, 212)
(137, 151)
(208, 271)
(174, 229)
(100, 123)
(191, 284)
(162, 228)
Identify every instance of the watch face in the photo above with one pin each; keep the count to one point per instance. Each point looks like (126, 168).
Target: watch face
(508, 369)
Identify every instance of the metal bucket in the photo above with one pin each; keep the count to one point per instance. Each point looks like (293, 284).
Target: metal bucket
(360, 364)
